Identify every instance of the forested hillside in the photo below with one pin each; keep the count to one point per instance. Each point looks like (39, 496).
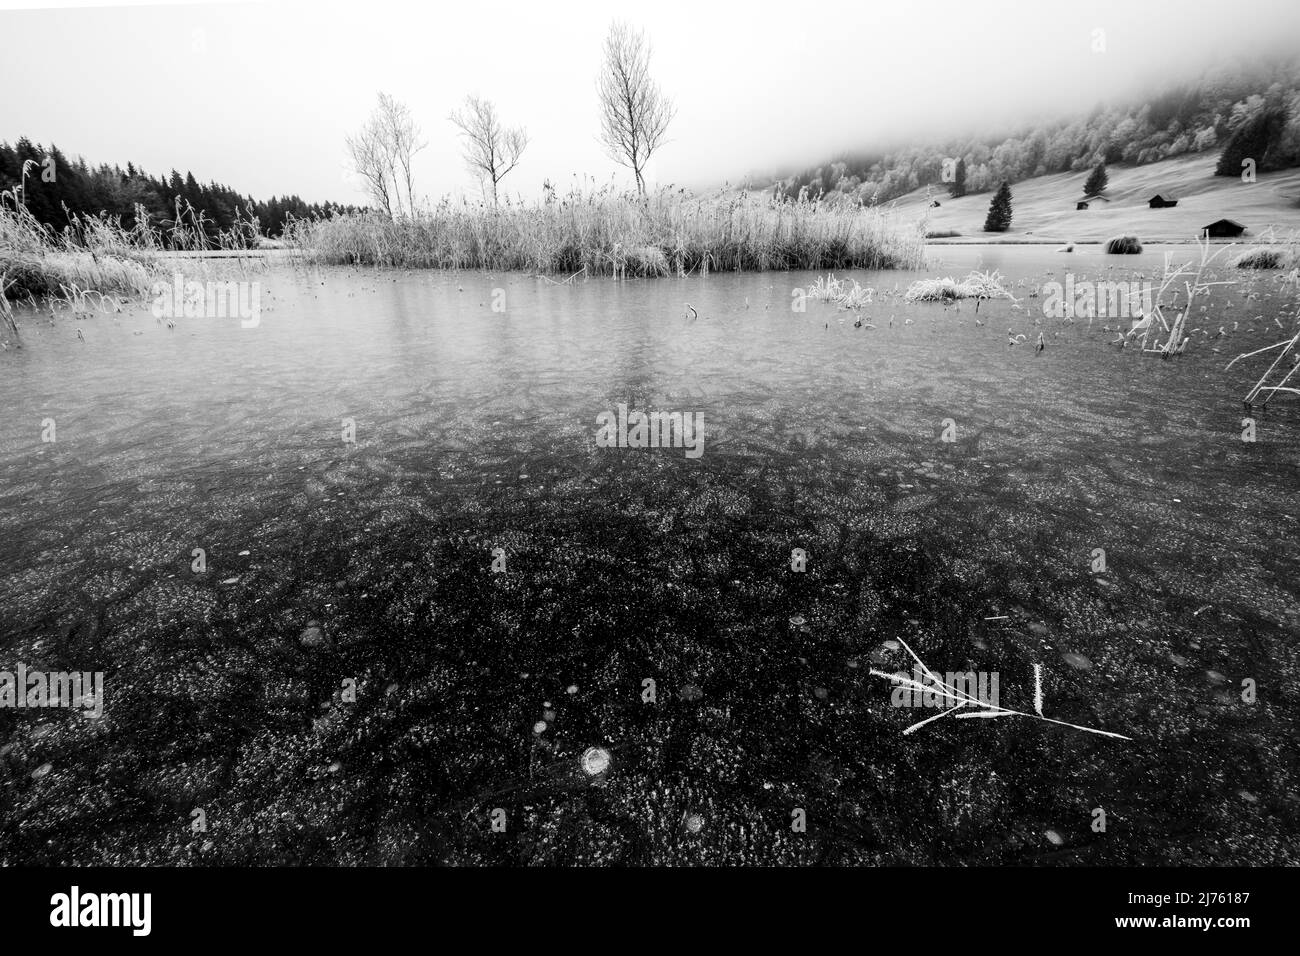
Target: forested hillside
(1238, 108)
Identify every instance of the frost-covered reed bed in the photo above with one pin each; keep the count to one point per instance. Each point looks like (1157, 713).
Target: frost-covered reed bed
(603, 232)
(95, 254)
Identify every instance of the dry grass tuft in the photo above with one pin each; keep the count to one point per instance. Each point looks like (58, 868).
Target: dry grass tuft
(1123, 246)
(1265, 257)
(977, 285)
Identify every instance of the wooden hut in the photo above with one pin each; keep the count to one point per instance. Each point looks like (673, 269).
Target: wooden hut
(1223, 229)
(1162, 201)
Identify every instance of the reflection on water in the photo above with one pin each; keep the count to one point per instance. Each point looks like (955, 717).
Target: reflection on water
(475, 430)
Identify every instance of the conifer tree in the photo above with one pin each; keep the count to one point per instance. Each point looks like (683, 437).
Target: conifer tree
(1097, 182)
(999, 217)
(958, 187)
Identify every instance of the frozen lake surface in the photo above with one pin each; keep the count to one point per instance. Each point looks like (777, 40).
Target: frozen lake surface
(351, 681)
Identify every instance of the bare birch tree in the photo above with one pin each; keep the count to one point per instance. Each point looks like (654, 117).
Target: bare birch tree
(370, 160)
(404, 140)
(491, 150)
(382, 152)
(634, 112)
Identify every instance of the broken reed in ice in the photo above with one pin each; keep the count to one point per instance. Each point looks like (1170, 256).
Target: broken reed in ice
(960, 697)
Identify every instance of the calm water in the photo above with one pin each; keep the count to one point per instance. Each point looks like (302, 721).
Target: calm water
(475, 430)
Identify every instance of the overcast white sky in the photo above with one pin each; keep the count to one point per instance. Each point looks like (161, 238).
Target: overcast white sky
(260, 96)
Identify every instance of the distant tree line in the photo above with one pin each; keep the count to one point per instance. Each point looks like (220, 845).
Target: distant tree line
(53, 182)
(1246, 108)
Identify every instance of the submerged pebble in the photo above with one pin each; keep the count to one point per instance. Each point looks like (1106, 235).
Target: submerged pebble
(595, 761)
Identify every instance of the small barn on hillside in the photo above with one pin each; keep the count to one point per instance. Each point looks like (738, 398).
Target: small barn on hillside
(1223, 229)
(1162, 201)
(1088, 200)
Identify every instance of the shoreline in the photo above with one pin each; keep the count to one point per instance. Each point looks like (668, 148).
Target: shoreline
(1153, 241)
